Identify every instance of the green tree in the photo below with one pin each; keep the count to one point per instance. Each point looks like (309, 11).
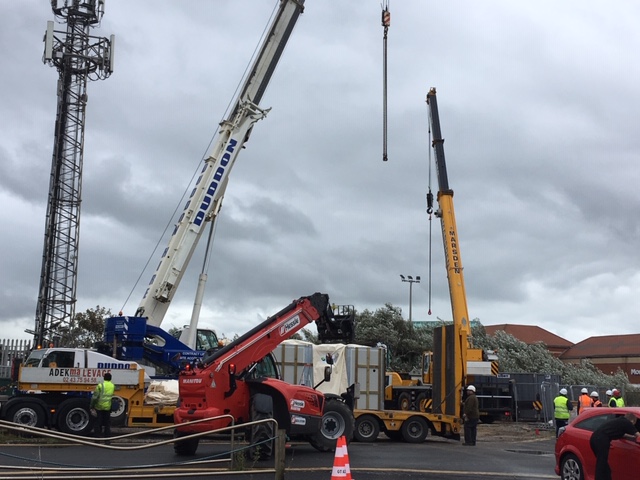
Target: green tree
(306, 335)
(405, 341)
(515, 356)
(85, 328)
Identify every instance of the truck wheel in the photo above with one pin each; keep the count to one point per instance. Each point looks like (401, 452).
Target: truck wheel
(421, 403)
(414, 430)
(404, 401)
(262, 434)
(367, 428)
(27, 414)
(74, 417)
(487, 419)
(395, 435)
(119, 415)
(185, 447)
(337, 421)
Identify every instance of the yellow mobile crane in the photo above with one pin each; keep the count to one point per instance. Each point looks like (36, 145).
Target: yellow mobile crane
(450, 342)
(448, 367)
(449, 359)
(444, 371)
(363, 368)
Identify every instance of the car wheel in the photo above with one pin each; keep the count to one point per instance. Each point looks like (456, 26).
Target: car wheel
(571, 468)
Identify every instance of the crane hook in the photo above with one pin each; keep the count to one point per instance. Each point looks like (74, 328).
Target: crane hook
(386, 22)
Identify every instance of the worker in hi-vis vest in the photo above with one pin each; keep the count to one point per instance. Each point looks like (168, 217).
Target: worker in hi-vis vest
(562, 409)
(101, 406)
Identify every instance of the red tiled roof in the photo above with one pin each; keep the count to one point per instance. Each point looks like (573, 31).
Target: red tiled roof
(605, 346)
(530, 334)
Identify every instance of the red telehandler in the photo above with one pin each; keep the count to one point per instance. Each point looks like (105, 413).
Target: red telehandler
(241, 379)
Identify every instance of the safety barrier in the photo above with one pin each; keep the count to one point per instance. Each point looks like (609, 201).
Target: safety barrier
(10, 349)
(232, 459)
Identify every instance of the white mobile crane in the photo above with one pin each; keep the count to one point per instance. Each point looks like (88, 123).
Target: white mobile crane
(205, 201)
(203, 206)
(125, 336)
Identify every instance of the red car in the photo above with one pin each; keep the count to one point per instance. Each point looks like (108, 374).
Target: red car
(576, 461)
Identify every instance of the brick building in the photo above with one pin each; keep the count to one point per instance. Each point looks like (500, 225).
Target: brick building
(608, 353)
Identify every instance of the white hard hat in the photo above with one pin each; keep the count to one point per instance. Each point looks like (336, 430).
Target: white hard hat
(594, 394)
(563, 391)
(584, 390)
(609, 392)
(471, 388)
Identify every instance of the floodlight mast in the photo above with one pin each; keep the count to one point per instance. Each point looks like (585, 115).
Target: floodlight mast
(411, 281)
(78, 57)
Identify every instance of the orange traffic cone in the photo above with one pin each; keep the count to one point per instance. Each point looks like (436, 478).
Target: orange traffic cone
(341, 462)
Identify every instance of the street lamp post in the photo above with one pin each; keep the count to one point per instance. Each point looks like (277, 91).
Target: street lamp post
(411, 281)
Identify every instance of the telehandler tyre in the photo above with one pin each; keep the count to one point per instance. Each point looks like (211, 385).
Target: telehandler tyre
(262, 434)
(337, 421)
(185, 447)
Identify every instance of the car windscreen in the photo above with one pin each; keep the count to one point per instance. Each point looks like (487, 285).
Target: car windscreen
(34, 358)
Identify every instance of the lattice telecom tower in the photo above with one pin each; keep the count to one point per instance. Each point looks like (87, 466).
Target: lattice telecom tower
(79, 57)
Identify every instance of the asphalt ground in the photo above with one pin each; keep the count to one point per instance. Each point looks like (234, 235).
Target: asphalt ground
(503, 451)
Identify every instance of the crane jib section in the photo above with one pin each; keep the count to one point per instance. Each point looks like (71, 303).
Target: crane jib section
(218, 176)
(206, 197)
(454, 263)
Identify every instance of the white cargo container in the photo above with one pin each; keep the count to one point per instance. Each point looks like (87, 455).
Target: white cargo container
(302, 363)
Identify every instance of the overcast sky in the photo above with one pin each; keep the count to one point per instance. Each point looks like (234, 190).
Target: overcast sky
(538, 106)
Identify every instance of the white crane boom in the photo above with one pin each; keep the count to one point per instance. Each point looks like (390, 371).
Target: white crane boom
(205, 201)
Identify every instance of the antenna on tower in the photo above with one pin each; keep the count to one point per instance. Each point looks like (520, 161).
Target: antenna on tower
(78, 57)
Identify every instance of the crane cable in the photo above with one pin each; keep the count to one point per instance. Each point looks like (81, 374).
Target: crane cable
(430, 212)
(386, 22)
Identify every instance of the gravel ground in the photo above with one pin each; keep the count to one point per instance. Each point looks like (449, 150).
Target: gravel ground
(505, 431)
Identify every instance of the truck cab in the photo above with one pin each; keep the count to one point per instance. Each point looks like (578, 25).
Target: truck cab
(59, 357)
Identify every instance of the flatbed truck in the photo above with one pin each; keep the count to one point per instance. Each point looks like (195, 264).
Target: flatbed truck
(362, 370)
(56, 394)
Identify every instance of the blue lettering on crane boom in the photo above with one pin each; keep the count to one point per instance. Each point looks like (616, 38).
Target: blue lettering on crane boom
(215, 183)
